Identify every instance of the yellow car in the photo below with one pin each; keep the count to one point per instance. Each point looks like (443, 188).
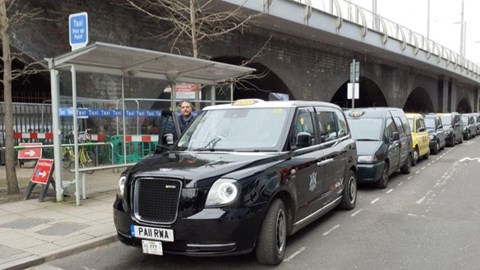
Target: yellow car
(420, 138)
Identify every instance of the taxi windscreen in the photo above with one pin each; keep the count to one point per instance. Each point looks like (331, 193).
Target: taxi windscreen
(243, 129)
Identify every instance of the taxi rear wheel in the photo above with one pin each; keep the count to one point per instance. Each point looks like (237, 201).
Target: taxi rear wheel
(407, 167)
(415, 157)
(272, 240)
(349, 197)
(383, 182)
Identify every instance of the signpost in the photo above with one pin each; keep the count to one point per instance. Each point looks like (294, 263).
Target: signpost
(41, 175)
(78, 30)
(353, 89)
(29, 152)
(185, 91)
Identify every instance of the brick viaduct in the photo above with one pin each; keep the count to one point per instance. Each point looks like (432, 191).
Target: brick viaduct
(302, 68)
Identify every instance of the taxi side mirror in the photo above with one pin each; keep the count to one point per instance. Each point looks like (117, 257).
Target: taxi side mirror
(168, 139)
(395, 136)
(304, 139)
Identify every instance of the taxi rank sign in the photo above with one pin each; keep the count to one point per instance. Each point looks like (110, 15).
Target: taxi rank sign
(78, 30)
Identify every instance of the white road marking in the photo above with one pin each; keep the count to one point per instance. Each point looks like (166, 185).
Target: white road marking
(423, 168)
(295, 254)
(430, 163)
(399, 184)
(331, 230)
(374, 201)
(420, 201)
(417, 172)
(410, 177)
(470, 159)
(390, 190)
(356, 212)
(412, 215)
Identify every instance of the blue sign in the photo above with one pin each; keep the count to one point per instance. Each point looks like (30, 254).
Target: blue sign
(78, 30)
(92, 112)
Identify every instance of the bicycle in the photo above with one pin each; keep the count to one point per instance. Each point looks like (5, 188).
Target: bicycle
(85, 156)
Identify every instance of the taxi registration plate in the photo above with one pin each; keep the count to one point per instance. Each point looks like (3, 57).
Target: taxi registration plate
(152, 247)
(159, 234)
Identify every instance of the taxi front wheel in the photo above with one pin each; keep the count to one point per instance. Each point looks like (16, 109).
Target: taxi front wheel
(349, 196)
(272, 240)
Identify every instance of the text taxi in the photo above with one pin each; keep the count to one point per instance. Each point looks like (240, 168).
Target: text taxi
(240, 179)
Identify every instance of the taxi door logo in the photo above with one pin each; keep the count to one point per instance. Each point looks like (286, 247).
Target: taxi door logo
(313, 181)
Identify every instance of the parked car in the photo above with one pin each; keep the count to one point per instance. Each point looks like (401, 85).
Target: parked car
(420, 137)
(476, 116)
(469, 126)
(452, 124)
(384, 143)
(436, 132)
(241, 178)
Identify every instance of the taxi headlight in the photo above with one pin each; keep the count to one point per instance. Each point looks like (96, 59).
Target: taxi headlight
(223, 192)
(366, 159)
(431, 137)
(121, 186)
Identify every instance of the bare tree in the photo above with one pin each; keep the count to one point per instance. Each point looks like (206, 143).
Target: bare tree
(12, 15)
(191, 23)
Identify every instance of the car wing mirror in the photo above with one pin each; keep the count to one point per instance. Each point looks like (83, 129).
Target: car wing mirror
(167, 139)
(304, 139)
(395, 136)
(421, 129)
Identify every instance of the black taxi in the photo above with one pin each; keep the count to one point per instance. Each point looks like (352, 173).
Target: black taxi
(240, 179)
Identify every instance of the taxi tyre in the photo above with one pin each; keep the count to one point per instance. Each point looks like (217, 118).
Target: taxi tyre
(349, 196)
(272, 239)
(383, 182)
(415, 156)
(437, 148)
(427, 155)
(407, 167)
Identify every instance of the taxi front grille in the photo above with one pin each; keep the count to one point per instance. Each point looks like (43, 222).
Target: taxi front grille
(156, 200)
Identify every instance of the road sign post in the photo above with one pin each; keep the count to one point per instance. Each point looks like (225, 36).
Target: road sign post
(354, 85)
(78, 30)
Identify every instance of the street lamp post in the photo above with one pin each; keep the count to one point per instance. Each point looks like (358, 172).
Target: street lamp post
(463, 27)
(428, 19)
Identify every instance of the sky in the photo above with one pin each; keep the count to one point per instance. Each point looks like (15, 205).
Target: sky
(445, 17)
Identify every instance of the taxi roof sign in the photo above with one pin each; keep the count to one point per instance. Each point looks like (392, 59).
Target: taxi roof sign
(246, 102)
(356, 113)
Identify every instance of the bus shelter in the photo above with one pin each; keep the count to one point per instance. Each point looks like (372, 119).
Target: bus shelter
(122, 61)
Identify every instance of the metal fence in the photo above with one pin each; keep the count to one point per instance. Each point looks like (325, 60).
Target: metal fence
(27, 118)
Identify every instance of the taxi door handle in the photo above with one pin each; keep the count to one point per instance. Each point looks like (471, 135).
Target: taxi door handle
(325, 161)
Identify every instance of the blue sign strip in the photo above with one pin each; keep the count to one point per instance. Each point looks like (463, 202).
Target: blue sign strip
(88, 112)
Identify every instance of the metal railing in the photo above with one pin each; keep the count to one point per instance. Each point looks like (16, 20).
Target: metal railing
(345, 10)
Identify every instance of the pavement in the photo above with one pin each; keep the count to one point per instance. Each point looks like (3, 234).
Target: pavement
(34, 232)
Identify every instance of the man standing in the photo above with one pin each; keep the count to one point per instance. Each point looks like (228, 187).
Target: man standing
(186, 116)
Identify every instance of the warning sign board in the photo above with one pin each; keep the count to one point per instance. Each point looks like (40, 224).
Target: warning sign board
(185, 91)
(42, 171)
(30, 153)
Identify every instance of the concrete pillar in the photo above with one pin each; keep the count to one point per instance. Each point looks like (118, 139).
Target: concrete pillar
(443, 97)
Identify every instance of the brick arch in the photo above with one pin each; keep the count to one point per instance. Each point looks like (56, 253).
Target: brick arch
(370, 95)
(419, 101)
(263, 82)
